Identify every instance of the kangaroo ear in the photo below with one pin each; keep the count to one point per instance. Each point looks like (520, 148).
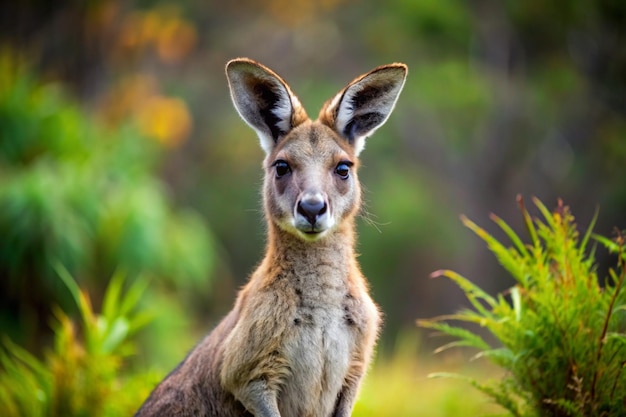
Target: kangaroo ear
(263, 100)
(365, 104)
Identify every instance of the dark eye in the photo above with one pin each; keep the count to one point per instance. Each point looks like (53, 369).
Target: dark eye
(343, 170)
(282, 168)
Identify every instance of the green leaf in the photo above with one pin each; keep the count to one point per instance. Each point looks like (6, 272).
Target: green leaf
(133, 295)
(500, 356)
(567, 407)
(111, 299)
(547, 214)
(588, 232)
(516, 299)
(115, 335)
(140, 320)
(467, 337)
(25, 383)
(473, 292)
(500, 395)
(503, 254)
(528, 221)
(620, 338)
(511, 234)
(611, 245)
(452, 375)
(69, 282)
(25, 357)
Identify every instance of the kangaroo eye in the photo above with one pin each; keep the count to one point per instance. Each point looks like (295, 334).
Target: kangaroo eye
(282, 168)
(343, 170)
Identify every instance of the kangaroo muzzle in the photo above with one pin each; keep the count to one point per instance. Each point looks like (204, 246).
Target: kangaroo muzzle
(311, 213)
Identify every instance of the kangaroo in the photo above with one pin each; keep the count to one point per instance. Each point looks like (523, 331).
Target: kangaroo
(302, 331)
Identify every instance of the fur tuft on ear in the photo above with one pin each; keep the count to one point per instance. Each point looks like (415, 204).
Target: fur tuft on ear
(263, 100)
(365, 104)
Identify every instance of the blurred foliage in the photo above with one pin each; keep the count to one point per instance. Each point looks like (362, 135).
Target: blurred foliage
(560, 330)
(75, 192)
(80, 375)
(137, 98)
(161, 29)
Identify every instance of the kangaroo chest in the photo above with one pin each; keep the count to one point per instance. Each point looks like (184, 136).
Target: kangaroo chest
(323, 325)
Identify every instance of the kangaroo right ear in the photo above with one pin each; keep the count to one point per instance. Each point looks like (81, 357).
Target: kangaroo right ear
(365, 104)
(263, 100)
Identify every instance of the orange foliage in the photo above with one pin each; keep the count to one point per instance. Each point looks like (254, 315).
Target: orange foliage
(137, 98)
(165, 119)
(300, 12)
(161, 29)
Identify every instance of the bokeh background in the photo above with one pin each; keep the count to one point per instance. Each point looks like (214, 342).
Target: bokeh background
(119, 146)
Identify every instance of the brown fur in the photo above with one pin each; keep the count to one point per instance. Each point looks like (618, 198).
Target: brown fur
(301, 334)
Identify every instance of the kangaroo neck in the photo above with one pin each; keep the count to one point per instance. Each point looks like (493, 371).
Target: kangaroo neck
(333, 253)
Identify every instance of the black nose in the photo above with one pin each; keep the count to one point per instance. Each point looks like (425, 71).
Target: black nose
(311, 208)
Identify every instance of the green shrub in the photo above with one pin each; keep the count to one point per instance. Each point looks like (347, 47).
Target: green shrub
(81, 375)
(561, 330)
(85, 194)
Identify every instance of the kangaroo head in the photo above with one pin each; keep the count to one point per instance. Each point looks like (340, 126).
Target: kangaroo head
(311, 185)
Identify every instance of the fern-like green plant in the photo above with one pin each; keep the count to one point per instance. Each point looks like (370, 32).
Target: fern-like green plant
(561, 330)
(81, 375)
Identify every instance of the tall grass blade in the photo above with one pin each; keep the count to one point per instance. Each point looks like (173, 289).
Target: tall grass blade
(503, 254)
(473, 292)
(519, 245)
(528, 221)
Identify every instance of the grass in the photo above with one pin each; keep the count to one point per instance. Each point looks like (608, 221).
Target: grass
(82, 374)
(401, 385)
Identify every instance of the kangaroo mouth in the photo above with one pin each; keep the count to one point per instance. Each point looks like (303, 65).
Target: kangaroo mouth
(311, 232)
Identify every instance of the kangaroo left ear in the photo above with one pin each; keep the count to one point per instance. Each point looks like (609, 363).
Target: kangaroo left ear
(365, 104)
(263, 100)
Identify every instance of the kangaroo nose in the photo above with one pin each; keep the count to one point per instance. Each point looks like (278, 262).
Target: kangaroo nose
(311, 207)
